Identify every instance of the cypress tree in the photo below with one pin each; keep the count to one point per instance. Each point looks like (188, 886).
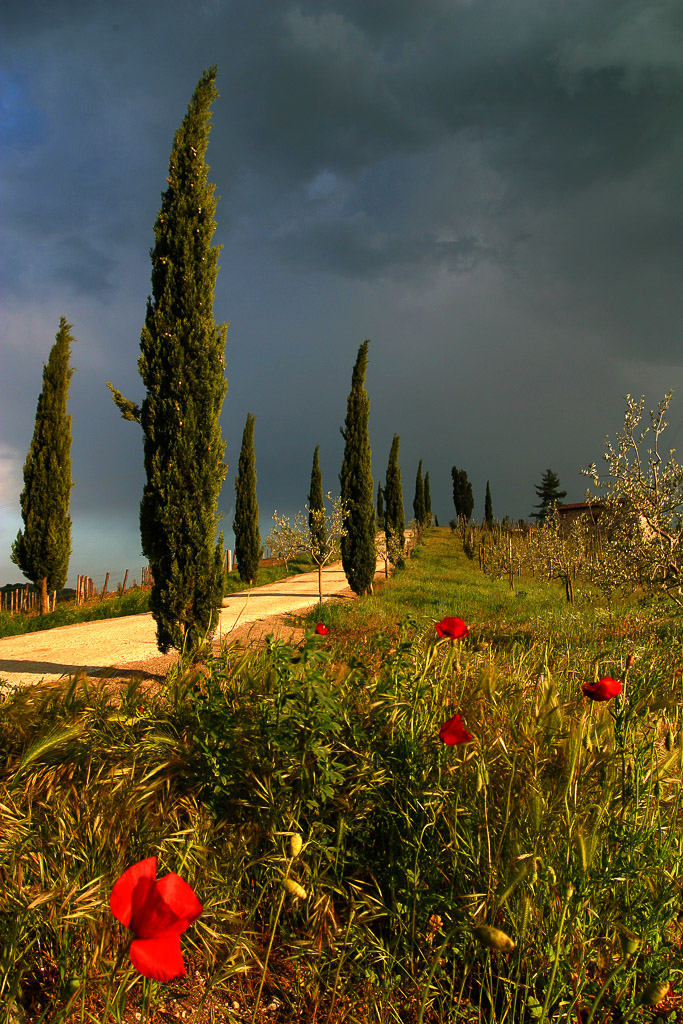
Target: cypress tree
(245, 523)
(358, 545)
(468, 497)
(182, 364)
(488, 506)
(463, 499)
(457, 497)
(380, 506)
(419, 499)
(428, 501)
(316, 503)
(43, 548)
(395, 520)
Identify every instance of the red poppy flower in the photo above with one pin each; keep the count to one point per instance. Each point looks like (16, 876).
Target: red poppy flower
(604, 689)
(157, 912)
(321, 629)
(453, 628)
(453, 732)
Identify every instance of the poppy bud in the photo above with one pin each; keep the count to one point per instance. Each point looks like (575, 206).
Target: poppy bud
(493, 938)
(629, 941)
(630, 660)
(294, 889)
(295, 844)
(654, 993)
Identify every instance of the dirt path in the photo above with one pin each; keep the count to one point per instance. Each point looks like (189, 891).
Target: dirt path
(127, 645)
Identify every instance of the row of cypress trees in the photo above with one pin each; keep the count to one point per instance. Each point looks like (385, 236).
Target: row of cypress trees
(182, 365)
(358, 548)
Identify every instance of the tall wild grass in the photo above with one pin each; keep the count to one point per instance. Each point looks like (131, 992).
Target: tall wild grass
(559, 825)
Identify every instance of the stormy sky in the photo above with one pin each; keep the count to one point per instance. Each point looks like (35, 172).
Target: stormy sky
(488, 190)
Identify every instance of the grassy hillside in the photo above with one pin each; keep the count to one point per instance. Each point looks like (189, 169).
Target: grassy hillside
(532, 873)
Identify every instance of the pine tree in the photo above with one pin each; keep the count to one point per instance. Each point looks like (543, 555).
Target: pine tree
(182, 365)
(419, 499)
(550, 494)
(428, 500)
(380, 506)
(394, 513)
(245, 523)
(357, 491)
(42, 550)
(488, 506)
(316, 503)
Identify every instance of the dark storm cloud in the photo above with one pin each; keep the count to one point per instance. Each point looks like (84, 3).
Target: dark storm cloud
(498, 179)
(574, 108)
(356, 248)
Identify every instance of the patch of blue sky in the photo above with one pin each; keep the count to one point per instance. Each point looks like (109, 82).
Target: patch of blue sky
(22, 124)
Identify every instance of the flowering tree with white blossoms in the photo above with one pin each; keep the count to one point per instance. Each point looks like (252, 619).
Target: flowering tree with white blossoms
(324, 532)
(287, 539)
(318, 535)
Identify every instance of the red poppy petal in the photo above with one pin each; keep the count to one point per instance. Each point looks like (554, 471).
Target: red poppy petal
(603, 689)
(160, 959)
(321, 629)
(180, 898)
(170, 908)
(133, 889)
(453, 732)
(452, 627)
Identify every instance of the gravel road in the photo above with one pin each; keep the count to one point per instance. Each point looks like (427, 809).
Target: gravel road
(130, 641)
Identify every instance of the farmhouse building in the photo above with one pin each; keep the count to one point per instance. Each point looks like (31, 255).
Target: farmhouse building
(568, 514)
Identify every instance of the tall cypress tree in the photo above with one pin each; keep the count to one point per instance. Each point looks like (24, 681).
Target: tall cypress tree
(457, 497)
(468, 507)
(428, 500)
(182, 364)
(358, 545)
(394, 513)
(316, 503)
(380, 507)
(488, 506)
(419, 499)
(463, 499)
(245, 523)
(43, 548)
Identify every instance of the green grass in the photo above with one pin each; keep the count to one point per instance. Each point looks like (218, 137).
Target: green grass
(560, 824)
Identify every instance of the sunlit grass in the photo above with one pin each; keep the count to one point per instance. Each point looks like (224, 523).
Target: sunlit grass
(560, 824)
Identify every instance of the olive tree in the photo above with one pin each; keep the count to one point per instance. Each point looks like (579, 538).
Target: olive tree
(642, 505)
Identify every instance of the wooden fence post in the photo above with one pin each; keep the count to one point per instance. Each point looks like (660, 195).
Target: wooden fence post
(123, 588)
(104, 588)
